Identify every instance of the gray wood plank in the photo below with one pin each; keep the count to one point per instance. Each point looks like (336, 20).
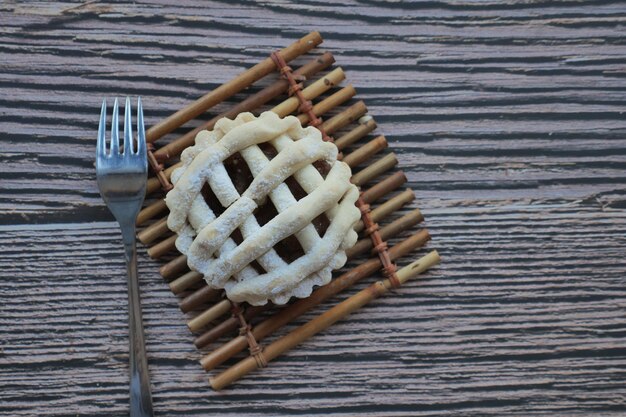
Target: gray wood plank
(508, 120)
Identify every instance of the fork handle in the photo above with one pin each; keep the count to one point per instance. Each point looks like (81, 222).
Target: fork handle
(140, 396)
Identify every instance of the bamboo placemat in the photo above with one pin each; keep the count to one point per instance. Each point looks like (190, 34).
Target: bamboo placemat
(216, 317)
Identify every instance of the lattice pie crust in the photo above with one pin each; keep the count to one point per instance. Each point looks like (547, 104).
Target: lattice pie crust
(253, 270)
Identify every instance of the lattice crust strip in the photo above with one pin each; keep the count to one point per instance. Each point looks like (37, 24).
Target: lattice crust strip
(202, 235)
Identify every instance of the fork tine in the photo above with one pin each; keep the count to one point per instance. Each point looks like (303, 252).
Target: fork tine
(115, 133)
(101, 145)
(141, 131)
(128, 129)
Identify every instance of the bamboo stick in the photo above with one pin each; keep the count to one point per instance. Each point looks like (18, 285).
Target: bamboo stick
(208, 294)
(323, 321)
(196, 299)
(366, 151)
(240, 82)
(329, 103)
(283, 109)
(388, 207)
(228, 326)
(301, 306)
(367, 174)
(312, 91)
(153, 232)
(251, 103)
(163, 247)
(387, 185)
(151, 211)
(209, 315)
(185, 281)
(355, 134)
(387, 232)
(174, 267)
(346, 117)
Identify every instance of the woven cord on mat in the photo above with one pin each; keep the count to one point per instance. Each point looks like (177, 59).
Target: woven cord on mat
(256, 351)
(306, 106)
(371, 227)
(157, 167)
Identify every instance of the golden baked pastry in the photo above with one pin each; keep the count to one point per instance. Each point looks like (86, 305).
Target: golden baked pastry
(232, 178)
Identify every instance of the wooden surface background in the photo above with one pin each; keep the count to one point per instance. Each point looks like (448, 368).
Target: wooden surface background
(508, 118)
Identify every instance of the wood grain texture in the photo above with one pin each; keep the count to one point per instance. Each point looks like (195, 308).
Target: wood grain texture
(508, 118)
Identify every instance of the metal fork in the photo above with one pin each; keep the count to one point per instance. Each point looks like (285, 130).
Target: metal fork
(121, 176)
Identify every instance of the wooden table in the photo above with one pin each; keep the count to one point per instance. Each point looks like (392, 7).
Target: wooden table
(509, 120)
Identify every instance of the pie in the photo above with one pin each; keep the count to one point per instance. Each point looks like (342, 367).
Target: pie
(263, 208)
